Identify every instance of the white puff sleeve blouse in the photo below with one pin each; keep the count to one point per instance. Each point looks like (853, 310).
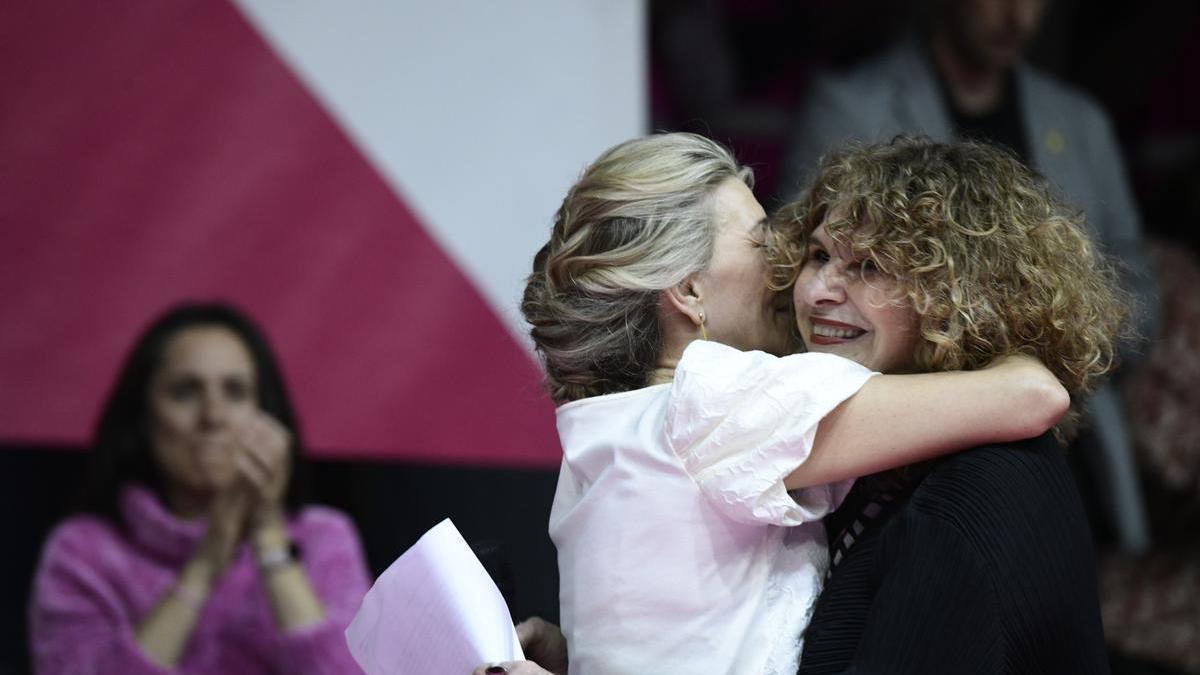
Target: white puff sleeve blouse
(679, 548)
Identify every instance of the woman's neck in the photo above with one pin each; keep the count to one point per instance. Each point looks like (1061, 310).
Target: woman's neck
(186, 504)
(663, 373)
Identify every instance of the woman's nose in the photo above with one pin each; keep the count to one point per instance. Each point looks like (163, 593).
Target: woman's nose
(828, 286)
(214, 411)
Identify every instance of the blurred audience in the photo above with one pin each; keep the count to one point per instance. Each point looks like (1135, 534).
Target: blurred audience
(1149, 602)
(196, 554)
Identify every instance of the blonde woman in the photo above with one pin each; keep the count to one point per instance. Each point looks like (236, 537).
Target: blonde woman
(698, 463)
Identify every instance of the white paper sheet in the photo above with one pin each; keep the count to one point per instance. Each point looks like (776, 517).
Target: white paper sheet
(434, 610)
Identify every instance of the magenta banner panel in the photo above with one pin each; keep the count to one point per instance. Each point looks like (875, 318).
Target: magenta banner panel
(153, 152)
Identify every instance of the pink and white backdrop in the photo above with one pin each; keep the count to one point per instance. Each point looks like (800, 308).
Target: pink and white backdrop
(370, 180)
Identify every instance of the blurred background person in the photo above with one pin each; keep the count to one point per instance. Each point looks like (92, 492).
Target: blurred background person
(197, 554)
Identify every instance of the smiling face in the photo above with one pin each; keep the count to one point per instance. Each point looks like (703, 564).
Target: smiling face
(844, 306)
(205, 387)
(739, 309)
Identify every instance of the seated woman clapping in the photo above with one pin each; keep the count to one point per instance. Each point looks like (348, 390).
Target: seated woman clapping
(197, 555)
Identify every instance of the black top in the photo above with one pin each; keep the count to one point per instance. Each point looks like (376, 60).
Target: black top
(1002, 124)
(986, 567)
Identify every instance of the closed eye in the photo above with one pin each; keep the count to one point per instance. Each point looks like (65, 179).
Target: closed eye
(185, 388)
(758, 235)
(238, 389)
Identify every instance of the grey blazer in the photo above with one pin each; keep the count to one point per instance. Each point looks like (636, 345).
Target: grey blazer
(1071, 143)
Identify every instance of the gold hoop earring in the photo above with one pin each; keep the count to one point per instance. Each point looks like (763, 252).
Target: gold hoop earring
(703, 332)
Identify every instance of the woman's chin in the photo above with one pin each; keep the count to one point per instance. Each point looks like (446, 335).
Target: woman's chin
(216, 477)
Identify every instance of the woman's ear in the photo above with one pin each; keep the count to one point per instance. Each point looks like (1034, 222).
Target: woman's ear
(685, 297)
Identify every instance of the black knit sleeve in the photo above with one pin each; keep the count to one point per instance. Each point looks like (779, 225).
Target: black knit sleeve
(934, 610)
(987, 567)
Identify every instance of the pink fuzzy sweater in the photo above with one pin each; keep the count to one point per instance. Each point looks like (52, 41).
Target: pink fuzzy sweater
(95, 582)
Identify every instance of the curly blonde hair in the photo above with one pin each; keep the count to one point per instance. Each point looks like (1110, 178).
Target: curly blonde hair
(638, 221)
(991, 260)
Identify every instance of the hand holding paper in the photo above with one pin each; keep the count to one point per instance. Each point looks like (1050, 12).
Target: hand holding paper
(434, 610)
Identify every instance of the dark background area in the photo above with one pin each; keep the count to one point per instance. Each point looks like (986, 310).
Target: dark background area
(742, 82)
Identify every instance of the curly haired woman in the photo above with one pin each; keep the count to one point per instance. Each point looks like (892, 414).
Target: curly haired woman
(921, 257)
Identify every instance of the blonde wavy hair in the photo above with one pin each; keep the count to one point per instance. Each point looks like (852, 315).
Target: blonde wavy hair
(638, 221)
(990, 258)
